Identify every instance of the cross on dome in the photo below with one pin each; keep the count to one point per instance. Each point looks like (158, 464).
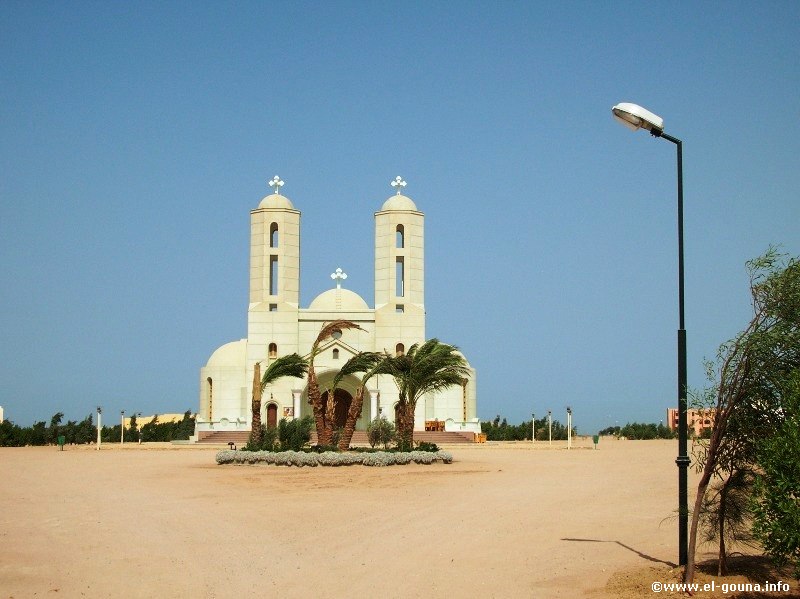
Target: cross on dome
(398, 183)
(276, 183)
(339, 276)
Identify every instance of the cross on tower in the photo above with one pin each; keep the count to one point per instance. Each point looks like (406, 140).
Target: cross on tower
(276, 183)
(339, 276)
(398, 183)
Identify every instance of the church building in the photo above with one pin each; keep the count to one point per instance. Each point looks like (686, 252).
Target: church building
(277, 325)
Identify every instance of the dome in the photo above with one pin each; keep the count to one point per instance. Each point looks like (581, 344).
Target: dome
(276, 201)
(335, 300)
(399, 202)
(230, 354)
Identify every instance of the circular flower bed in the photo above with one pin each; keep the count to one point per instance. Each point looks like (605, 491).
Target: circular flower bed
(332, 458)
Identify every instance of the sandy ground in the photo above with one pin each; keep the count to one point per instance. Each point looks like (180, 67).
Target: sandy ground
(507, 520)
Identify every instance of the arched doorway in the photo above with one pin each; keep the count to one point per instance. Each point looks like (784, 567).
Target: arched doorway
(343, 400)
(272, 415)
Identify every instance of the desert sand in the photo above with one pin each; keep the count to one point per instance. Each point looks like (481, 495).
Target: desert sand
(503, 520)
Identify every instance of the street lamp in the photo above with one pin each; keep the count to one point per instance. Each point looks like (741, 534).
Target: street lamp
(122, 428)
(533, 428)
(635, 117)
(569, 427)
(99, 425)
(549, 427)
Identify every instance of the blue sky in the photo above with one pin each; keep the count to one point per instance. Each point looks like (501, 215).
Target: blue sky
(136, 138)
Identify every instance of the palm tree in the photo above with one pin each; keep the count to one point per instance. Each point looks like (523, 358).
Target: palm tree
(291, 365)
(324, 418)
(255, 408)
(369, 363)
(427, 368)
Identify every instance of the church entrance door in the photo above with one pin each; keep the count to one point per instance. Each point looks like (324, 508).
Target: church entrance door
(272, 415)
(343, 400)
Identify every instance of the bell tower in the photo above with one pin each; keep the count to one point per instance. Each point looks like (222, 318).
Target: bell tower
(275, 250)
(399, 272)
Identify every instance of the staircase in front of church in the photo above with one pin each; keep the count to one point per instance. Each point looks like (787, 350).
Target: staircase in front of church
(359, 437)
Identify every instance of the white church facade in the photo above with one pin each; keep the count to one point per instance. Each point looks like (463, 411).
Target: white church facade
(277, 325)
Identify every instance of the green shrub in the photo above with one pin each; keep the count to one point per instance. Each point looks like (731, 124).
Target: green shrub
(423, 446)
(269, 441)
(293, 434)
(380, 431)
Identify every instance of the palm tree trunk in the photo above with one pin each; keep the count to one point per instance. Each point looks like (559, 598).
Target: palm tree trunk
(688, 575)
(324, 431)
(353, 414)
(405, 426)
(255, 427)
(330, 410)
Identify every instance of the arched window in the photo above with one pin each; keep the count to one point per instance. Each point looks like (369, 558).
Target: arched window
(273, 351)
(399, 349)
(273, 235)
(336, 354)
(399, 237)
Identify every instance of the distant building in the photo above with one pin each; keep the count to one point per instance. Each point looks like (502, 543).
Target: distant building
(162, 418)
(697, 420)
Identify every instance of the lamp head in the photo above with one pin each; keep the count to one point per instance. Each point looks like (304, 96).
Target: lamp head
(635, 117)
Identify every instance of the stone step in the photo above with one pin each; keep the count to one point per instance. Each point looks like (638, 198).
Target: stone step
(224, 437)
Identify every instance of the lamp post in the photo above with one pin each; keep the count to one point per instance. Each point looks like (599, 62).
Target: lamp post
(99, 425)
(122, 428)
(549, 427)
(635, 117)
(569, 427)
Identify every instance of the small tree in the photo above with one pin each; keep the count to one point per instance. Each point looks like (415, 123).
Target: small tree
(750, 375)
(294, 434)
(776, 501)
(55, 421)
(427, 368)
(290, 365)
(380, 431)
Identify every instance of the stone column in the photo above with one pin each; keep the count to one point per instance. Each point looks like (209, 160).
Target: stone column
(373, 404)
(296, 393)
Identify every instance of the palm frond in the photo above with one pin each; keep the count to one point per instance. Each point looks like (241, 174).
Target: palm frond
(429, 367)
(366, 362)
(292, 365)
(329, 328)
